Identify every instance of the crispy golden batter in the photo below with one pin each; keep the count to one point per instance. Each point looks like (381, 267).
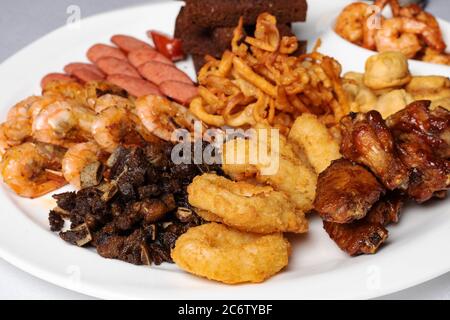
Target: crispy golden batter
(429, 87)
(386, 70)
(219, 253)
(392, 102)
(294, 176)
(313, 137)
(245, 206)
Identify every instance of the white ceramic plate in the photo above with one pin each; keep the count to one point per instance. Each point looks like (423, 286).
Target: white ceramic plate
(416, 251)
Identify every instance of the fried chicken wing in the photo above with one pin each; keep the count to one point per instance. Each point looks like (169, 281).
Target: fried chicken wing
(365, 236)
(367, 140)
(422, 138)
(356, 238)
(432, 125)
(346, 192)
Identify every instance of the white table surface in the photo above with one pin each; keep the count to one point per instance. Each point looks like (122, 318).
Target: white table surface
(23, 21)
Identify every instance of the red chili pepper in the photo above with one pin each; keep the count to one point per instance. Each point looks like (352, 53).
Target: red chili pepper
(169, 47)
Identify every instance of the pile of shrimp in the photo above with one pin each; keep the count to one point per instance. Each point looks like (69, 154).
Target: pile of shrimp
(46, 141)
(411, 30)
(388, 86)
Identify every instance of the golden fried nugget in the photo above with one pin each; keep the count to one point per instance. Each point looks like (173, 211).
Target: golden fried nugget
(313, 137)
(392, 102)
(386, 70)
(295, 176)
(219, 253)
(429, 87)
(245, 206)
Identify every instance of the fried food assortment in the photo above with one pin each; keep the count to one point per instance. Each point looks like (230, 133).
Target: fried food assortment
(47, 140)
(219, 253)
(260, 81)
(409, 153)
(388, 87)
(411, 31)
(246, 207)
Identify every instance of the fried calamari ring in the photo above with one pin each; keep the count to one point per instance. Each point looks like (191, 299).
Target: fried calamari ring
(219, 253)
(245, 206)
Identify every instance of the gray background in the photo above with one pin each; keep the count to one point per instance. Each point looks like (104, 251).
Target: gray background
(24, 21)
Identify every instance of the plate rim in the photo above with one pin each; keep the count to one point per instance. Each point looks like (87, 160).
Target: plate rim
(95, 290)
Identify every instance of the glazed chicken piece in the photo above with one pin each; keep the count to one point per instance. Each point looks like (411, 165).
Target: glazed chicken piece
(365, 236)
(346, 192)
(367, 140)
(421, 136)
(432, 125)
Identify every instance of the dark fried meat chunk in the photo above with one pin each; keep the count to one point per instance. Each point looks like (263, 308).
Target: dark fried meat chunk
(420, 135)
(357, 238)
(138, 211)
(432, 125)
(365, 236)
(429, 174)
(346, 192)
(367, 140)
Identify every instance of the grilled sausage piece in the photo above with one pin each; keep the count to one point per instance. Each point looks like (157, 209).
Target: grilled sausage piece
(98, 51)
(86, 75)
(144, 55)
(55, 77)
(110, 65)
(128, 44)
(158, 73)
(71, 67)
(179, 91)
(134, 86)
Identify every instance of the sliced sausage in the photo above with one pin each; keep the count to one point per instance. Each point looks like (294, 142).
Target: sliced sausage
(158, 72)
(179, 91)
(128, 44)
(55, 77)
(86, 75)
(71, 67)
(134, 86)
(98, 51)
(110, 65)
(141, 56)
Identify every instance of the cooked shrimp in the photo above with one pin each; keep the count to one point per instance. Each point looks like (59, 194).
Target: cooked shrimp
(114, 126)
(434, 56)
(401, 34)
(65, 90)
(76, 158)
(18, 122)
(25, 169)
(162, 117)
(110, 100)
(414, 11)
(63, 123)
(351, 21)
(373, 24)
